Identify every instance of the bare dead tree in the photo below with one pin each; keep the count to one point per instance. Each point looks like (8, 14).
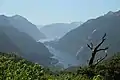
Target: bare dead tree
(95, 50)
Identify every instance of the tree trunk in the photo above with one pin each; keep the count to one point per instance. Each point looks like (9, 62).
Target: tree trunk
(92, 59)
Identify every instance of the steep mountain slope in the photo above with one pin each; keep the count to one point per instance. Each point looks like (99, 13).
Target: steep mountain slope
(16, 41)
(58, 29)
(39, 26)
(24, 25)
(75, 41)
(6, 45)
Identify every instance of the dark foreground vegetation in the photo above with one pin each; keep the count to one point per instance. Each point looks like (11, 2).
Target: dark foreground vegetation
(13, 67)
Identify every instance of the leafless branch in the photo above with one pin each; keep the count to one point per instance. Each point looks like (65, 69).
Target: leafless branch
(104, 36)
(102, 49)
(103, 39)
(89, 46)
(99, 44)
(96, 49)
(101, 59)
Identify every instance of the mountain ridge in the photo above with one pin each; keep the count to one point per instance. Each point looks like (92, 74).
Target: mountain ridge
(58, 29)
(23, 25)
(92, 30)
(15, 41)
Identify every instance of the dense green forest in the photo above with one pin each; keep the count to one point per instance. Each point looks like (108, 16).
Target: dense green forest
(14, 67)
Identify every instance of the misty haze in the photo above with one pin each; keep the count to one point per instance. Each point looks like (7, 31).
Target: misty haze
(59, 40)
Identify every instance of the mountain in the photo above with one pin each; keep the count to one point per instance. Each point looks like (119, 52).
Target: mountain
(12, 40)
(75, 41)
(6, 45)
(57, 30)
(39, 26)
(23, 25)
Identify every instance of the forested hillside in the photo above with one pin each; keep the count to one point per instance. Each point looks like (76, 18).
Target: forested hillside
(14, 67)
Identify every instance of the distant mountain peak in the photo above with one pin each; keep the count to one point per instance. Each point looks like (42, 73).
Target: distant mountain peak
(19, 17)
(3, 16)
(16, 16)
(24, 25)
(58, 29)
(117, 13)
(110, 13)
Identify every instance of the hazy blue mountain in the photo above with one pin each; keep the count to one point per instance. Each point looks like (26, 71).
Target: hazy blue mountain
(23, 25)
(6, 45)
(75, 41)
(39, 26)
(57, 30)
(12, 40)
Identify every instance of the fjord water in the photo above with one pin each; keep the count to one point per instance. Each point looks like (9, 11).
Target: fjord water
(64, 58)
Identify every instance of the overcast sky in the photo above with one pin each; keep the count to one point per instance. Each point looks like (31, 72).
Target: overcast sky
(57, 11)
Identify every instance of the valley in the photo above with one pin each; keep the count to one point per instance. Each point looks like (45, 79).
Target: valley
(58, 43)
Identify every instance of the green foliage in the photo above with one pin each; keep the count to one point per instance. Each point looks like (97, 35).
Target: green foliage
(16, 68)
